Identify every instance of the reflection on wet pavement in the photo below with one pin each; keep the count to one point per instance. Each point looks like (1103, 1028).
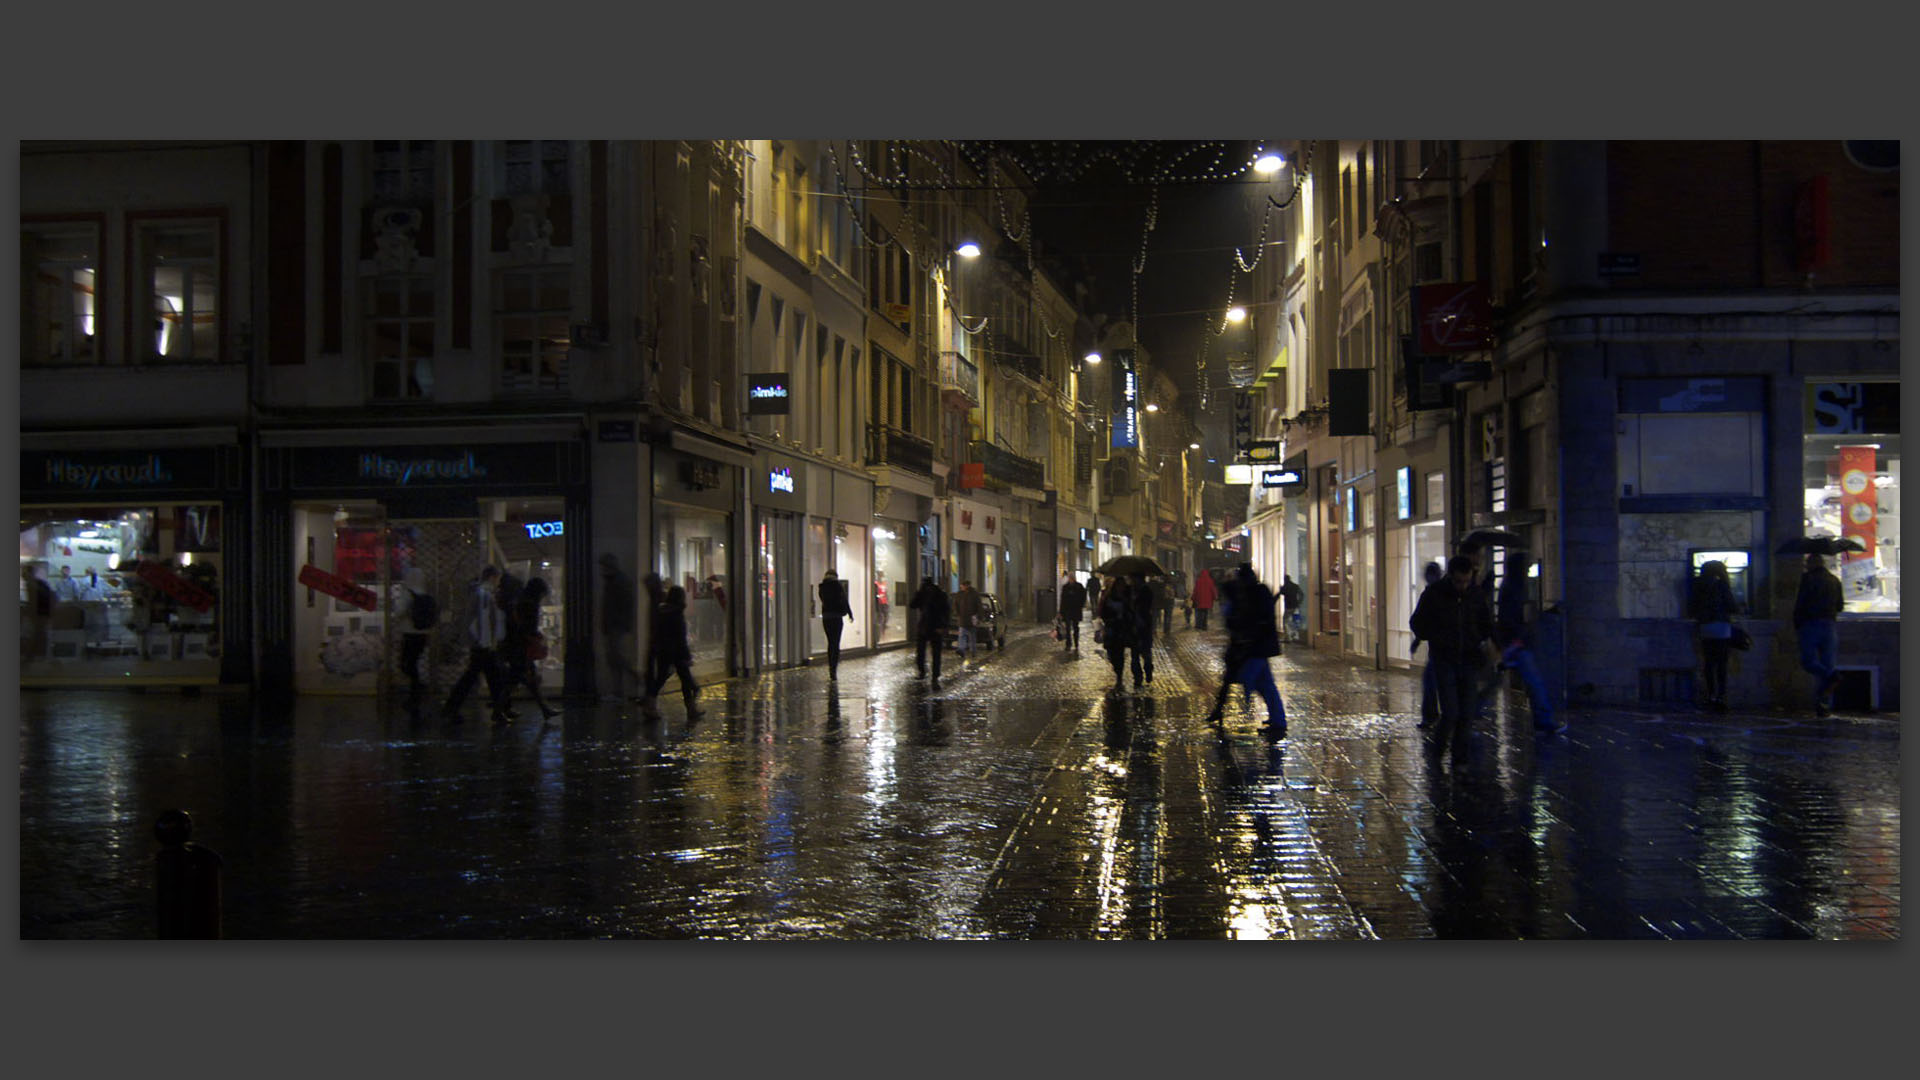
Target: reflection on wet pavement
(1020, 799)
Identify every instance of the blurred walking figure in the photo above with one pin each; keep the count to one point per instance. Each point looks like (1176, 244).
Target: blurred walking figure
(1429, 696)
(1816, 611)
(833, 608)
(486, 628)
(1295, 599)
(966, 608)
(1073, 603)
(655, 671)
(1117, 627)
(617, 623)
(1712, 607)
(524, 647)
(1203, 597)
(1141, 597)
(423, 611)
(672, 655)
(932, 614)
(1453, 619)
(1253, 638)
(1514, 636)
(1162, 592)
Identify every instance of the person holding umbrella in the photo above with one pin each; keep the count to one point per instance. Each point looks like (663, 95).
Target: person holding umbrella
(1453, 618)
(1142, 600)
(1117, 627)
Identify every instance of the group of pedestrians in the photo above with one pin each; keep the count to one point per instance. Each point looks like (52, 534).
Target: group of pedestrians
(1472, 638)
(504, 645)
(1712, 605)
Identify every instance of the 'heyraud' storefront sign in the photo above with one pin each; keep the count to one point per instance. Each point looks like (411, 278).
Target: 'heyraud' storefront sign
(62, 472)
(401, 471)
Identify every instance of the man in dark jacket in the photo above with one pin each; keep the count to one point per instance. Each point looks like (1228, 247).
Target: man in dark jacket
(1143, 601)
(932, 615)
(1117, 623)
(1073, 601)
(1454, 620)
(1253, 636)
(1816, 614)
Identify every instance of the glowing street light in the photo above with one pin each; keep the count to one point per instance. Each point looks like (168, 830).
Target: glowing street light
(1151, 407)
(1093, 358)
(968, 250)
(1268, 163)
(1236, 313)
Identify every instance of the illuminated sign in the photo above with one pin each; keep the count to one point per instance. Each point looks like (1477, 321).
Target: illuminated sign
(400, 471)
(780, 480)
(1239, 474)
(1404, 484)
(118, 474)
(538, 529)
(1271, 478)
(767, 394)
(1264, 451)
(1126, 401)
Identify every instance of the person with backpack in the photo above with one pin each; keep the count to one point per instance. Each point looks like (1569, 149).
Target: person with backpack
(423, 613)
(1253, 637)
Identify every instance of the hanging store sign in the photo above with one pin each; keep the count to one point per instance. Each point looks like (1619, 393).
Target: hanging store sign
(767, 394)
(1242, 423)
(1126, 401)
(780, 480)
(1453, 317)
(175, 586)
(337, 587)
(1273, 478)
(1263, 452)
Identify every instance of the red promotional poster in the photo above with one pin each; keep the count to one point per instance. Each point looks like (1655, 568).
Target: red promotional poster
(1454, 317)
(186, 592)
(337, 587)
(1859, 500)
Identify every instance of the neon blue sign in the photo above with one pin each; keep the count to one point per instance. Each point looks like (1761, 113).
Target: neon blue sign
(539, 529)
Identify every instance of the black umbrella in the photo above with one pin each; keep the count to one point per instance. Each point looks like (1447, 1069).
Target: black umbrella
(1129, 565)
(1820, 545)
(1494, 538)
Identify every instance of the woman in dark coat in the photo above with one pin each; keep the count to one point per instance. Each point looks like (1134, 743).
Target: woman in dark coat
(1712, 607)
(1144, 599)
(672, 654)
(523, 628)
(833, 608)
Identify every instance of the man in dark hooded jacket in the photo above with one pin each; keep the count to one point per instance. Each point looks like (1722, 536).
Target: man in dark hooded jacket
(931, 619)
(1453, 618)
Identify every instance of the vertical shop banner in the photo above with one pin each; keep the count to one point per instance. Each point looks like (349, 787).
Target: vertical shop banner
(1859, 499)
(1242, 423)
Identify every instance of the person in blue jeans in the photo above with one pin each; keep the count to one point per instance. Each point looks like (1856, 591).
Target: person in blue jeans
(1253, 637)
(1513, 635)
(1816, 611)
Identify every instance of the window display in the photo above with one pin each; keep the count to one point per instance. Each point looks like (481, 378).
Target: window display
(120, 591)
(1851, 477)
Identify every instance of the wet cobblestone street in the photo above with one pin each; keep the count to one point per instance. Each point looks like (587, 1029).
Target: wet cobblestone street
(1018, 800)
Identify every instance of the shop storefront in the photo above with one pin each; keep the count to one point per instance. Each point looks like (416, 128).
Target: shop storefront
(979, 536)
(898, 529)
(133, 563)
(350, 530)
(839, 532)
(695, 502)
(782, 593)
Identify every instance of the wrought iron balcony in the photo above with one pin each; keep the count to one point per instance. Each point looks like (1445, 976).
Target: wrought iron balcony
(891, 446)
(959, 378)
(1006, 467)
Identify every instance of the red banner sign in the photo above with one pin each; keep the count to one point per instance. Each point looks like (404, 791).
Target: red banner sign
(182, 590)
(1859, 499)
(338, 587)
(973, 474)
(1455, 317)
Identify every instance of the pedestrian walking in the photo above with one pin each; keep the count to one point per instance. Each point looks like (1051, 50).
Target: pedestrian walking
(1429, 696)
(523, 647)
(617, 624)
(1162, 591)
(1253, 639)
(1183, 593)
(1117, 627)
(1203, 597)
(1816, 614)
(656, 669)
(1712, 606)
(966, 608)
(1453, 619)
(1487, 673)
(674, 656)
(833, 608)
(932, 613)
(1513, 633)
(1142, 600)
(1296, 611)
(486, 629)
(1094, 587)
(1073, 603)
(423, 612)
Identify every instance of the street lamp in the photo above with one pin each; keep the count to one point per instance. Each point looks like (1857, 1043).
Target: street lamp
(968, 250)
(1093, 358)
(1236, 313)
(1268, 163)
(1151, 407)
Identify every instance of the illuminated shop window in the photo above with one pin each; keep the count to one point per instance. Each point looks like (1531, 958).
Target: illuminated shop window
(1851, 478)
(61, 262)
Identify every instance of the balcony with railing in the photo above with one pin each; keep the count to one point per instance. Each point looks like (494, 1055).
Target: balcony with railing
(1006, 468)
(959, 381)
(891, 446)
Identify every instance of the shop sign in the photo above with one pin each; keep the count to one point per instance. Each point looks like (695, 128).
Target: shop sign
(780, 480)
(1853, 408)
(401, 471)
(1242, 423)
(616, 431)
(1262, 452)
(1453, 317)
(164, 579)
(537, 530)
(64, 472)
(767, 394)
(1273, 478)
(337, 587)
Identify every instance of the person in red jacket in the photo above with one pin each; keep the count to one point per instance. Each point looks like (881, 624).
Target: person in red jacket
(1203, 597)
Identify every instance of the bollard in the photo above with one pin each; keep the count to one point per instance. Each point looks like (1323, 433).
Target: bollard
(186, 881)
